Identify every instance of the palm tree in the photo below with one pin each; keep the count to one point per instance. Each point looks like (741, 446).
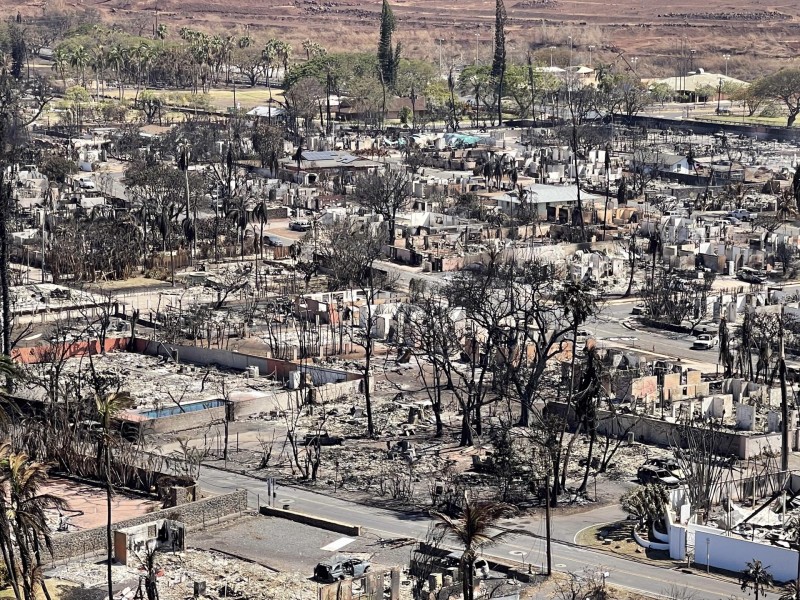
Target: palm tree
(473, 531)
(116, 59)
(791, 591)
(241, 215)
(284, 53)
(108, 407)
(757, 577)
(793, 530)
(261, 212)
(23, 520)
(269, 55)
(161, 31)
(78, 60)
(60, 63)
(98, 64)
(142, 57)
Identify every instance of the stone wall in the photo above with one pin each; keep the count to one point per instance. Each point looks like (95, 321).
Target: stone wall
(194, 516)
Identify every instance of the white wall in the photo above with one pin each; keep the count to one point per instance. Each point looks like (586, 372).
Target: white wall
(733, 553)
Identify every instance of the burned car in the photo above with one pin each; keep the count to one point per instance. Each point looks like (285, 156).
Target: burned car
(340, 567)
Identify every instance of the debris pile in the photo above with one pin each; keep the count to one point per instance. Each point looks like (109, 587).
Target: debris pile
(227, 577)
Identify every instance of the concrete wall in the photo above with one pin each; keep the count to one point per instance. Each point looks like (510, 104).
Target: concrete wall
(267, 367)
(250, 404)
(733, 553)
(36, 354)
(194, 516)
(183, 421)
(664, 433)
(314, 521)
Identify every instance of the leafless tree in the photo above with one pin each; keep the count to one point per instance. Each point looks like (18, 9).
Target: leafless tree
(675, 297)
(589, 583)
(385, 193)
(702, 451)
(351, 252)
(424, 560)
(304, 441)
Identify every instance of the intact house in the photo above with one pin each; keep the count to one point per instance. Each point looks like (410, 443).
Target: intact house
(550, 202)
(352, 109)
(331, 165)
(670, 163)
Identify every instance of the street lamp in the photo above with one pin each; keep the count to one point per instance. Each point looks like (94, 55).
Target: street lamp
(727, 57)
(477, 36)
(635, 60)
(441, 41)
(590, 56)
(570, 49)
(719, 94)
(551, 55)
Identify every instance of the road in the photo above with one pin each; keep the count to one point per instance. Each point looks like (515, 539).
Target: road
(609, 330)
(528, 547)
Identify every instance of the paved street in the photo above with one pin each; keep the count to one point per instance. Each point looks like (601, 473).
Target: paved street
(566, 556)
(609, 331)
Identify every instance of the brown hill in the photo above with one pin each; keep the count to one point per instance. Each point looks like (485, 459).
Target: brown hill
(757, 34)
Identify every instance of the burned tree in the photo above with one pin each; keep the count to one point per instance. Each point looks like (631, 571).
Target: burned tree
(675, 297)
(350, 253)
(702, 451)
(385, 193)
(21, 103)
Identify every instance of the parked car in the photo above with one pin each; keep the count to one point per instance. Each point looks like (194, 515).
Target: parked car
(652, 474)
(86, 183)
(742, 214)
(667, 464)
(481, 568)
(705, 341)
(323, 439)
(732, 220)
(751, 275)
(300, 225)
(340, 567)
(638, 309)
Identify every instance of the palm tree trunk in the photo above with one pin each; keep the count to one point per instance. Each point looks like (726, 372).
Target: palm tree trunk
(38, 554)
(8, 550)
(109, 542)
(5, 297)
(592, 438)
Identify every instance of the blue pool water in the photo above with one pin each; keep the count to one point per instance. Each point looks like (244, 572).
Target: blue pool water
(168, 411)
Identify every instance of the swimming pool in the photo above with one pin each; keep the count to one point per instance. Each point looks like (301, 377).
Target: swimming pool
(169, 411)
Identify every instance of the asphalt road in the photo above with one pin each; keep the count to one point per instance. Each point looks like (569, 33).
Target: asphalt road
(615, 327)
(644, 577)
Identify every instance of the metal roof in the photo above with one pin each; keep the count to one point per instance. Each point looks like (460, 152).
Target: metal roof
(266, 111)
(341, 157)
(546, 194)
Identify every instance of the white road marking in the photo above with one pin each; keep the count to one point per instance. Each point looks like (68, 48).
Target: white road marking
(338, 544)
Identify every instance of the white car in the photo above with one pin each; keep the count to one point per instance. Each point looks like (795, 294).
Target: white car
(742, 214)
(86, 184)
(705, 341)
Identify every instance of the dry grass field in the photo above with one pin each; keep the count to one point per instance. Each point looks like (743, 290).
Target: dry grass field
(756, 33)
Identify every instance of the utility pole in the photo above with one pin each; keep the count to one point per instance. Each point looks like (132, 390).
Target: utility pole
(784, 404)
(547, 524)
(605, 211)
